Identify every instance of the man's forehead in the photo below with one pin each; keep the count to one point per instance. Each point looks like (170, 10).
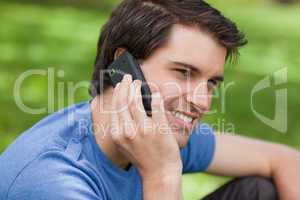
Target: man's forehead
(198, 49)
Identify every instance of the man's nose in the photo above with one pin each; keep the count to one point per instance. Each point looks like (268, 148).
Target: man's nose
(199, 96)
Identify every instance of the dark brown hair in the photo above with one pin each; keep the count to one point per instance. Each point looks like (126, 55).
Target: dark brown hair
(142, 26)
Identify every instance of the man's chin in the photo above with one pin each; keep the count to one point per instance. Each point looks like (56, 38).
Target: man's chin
(182, 135)
(182, 139)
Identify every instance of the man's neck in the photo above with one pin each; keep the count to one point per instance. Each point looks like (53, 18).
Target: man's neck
(101, 124)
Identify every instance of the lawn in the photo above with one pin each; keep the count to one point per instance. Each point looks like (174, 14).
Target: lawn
(64, 38)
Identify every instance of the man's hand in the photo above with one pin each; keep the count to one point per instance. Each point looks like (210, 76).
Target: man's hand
(241, 156)
(146, 142)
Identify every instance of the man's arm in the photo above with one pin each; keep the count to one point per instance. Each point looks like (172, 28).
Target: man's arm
(165, 186)
(241, 156)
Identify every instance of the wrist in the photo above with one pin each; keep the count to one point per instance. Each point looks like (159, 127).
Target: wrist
(163, 183)
(166, 187)
(162, 177)
(166, 173)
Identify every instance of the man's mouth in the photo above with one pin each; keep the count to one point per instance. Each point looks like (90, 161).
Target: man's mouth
(183, 120)
(182, 116)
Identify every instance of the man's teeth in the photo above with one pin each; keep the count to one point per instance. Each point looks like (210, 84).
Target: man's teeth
(182, 116)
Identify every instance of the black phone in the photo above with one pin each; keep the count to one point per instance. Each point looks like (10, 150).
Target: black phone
(127, 64)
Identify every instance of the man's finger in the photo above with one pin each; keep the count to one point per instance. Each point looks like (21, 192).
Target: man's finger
(158, 110)
(125, 117)
(137, 107)
(115, 125)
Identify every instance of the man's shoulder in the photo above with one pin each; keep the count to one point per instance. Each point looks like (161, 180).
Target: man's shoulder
(55, 173)
(46, 142)
(198, 153)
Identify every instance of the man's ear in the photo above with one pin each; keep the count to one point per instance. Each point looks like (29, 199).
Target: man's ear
(118, 52)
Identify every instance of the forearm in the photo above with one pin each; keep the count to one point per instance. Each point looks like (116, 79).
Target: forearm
(241, 156)
(285, 172)
(163, 187)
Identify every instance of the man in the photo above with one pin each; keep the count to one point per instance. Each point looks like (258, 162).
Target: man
(108, 148)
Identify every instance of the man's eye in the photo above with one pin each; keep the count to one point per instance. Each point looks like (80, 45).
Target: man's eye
(184, 72)
(212, 83)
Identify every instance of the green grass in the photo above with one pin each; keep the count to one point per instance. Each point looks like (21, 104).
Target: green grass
(38, 37)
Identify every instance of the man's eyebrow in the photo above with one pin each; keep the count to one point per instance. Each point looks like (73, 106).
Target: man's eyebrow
(195, 69)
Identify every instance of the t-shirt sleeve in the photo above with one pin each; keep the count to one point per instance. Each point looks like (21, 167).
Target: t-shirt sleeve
(69, 189)
(199, 152)
(55, 176)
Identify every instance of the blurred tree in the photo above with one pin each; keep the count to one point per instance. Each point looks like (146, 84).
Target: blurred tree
(287, 1)
(104, 5)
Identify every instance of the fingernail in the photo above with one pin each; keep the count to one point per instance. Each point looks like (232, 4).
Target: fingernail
(124, 78)
(137, 82)
(128, 77)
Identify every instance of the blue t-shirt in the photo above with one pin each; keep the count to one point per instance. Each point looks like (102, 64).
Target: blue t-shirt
(58, 158)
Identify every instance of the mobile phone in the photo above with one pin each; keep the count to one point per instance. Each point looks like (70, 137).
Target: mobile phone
(127, 64)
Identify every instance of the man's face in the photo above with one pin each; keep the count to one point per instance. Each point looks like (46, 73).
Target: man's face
(185, 90)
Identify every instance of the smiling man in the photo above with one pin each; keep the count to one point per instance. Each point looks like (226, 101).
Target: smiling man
(108, 148)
